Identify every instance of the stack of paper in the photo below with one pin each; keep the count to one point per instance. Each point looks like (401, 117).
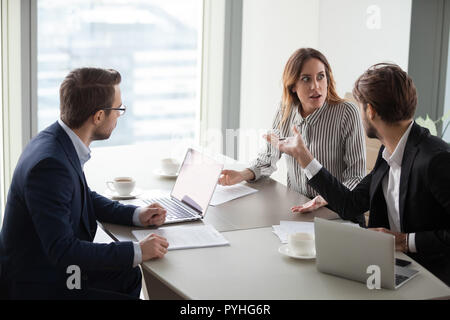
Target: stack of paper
(286, 228)
(185, 237)
(224, 194)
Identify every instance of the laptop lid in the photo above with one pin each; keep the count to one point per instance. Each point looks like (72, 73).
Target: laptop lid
(347, 251)
(197, 180)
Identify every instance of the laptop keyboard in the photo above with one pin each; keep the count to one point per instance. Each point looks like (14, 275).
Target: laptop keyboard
(174, 210)
(399, 279)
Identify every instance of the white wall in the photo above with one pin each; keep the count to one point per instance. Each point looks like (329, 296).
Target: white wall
(355, 34)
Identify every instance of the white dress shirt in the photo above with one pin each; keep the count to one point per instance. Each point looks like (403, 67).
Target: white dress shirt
(84, 154)
(390, 184)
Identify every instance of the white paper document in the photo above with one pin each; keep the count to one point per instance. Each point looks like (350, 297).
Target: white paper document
(224, 194)
(186, 237)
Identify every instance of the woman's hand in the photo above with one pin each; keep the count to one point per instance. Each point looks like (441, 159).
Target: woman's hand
(310, 206)
(231, 177)
(293, 146)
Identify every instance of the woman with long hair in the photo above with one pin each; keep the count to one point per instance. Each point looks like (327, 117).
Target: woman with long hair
(330, 126)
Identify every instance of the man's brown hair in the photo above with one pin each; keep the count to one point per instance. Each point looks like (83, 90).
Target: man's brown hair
(389, 90)
(84, 91)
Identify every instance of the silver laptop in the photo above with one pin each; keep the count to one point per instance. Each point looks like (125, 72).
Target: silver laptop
(347, 251)
(193, 189)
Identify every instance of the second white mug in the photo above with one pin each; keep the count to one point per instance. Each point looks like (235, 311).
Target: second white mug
(170, 165)
(123, 186)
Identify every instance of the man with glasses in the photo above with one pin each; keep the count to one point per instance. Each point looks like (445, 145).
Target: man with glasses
(51, 214)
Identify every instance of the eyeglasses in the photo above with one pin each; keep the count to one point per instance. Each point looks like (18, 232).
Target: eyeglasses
(122, 108)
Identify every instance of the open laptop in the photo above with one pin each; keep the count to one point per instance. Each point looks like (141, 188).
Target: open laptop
(193, 189)
(347, 250)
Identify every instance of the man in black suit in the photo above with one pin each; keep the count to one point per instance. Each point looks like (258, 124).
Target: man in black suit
(51, 214)
(408, 191)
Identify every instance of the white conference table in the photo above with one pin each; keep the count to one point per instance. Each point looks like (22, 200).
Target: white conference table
(250, 267)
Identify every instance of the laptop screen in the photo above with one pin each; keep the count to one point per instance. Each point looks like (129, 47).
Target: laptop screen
(196, 180)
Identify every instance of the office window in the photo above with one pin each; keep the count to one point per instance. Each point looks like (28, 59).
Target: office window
(155, 46)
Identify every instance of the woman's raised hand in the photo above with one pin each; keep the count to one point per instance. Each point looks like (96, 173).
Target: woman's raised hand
(293, 146)
(310, 206)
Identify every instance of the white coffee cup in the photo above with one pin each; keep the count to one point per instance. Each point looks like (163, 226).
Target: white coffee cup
(170, 166)
(123, 186)
(301, 244)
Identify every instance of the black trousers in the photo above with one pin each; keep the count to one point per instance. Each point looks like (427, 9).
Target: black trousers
(126, 283)
(95, 285)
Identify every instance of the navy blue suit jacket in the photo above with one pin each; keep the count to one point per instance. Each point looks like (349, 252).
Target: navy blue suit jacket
(50, 217)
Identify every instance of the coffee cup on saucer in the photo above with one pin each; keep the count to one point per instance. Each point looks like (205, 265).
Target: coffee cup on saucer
(169, 166)
(123, 186)
(301, 244)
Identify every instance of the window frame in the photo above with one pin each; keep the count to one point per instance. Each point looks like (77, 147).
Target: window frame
(16, 85)
(429, 56)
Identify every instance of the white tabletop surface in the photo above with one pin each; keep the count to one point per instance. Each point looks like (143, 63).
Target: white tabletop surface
(251, 267)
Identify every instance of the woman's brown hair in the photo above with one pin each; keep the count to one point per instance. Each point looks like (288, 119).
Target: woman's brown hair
(291, 75)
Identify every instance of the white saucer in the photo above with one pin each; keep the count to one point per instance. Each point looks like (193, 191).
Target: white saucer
(133, 195)
(161, 173)
(284, 249)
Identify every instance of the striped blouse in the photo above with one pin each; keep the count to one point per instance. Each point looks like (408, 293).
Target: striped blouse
(333, 134)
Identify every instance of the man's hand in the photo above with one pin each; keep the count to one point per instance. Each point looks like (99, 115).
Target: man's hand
(401, 239)
(152, 215)
(293, 146)
(310, 206)
(153, 246)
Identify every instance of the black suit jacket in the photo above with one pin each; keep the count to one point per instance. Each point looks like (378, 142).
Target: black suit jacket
(424, 201)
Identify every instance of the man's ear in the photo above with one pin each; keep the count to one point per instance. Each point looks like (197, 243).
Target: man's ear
(370, 111)
(98, 116)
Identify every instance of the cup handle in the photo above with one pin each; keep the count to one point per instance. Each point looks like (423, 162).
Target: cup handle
(110, 186)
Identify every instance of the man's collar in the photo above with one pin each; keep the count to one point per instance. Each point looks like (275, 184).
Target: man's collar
(83, 152)
(397, 155)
